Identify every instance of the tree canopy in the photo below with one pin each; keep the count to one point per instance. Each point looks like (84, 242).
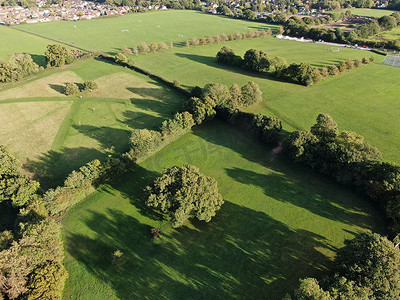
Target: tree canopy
(184, 192)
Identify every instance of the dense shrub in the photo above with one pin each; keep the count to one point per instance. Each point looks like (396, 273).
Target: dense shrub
(71, 89)
(90, 85)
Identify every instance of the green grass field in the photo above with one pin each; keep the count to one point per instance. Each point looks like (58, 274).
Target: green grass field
(363, 100)
(14, 41)
(53, 134)
(393, 34)
(279, 223)
(367, 12)
(163, 26)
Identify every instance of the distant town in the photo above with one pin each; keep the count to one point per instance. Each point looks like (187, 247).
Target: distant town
(70, 11)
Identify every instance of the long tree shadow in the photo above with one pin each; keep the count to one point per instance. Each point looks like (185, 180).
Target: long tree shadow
(52, 168)
(106, 136)
(240, 254)
(299, 186)
(304, 194)
(212, 62)
(163, 108)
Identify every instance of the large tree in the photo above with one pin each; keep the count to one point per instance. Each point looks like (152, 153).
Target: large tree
(57, 55)
(184, 192)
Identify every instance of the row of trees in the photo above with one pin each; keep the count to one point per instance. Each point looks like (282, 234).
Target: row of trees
(347, 158)
(299, 28)
(72, 88)
(154, 47)
(259, 61)
(366, 268)
(31, 252)
(19, 66)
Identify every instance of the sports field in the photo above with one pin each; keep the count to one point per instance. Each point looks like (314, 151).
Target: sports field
(111, 34)
(279, 223)
(53, 134)
(14, 41)
(368, 12)
(363, 100)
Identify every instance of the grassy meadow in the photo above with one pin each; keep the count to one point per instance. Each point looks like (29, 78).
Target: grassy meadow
(368, 12)
(163, 26)
(393, 34)
(363, 100)
(279, 223)
(52, 134)
(14, 41)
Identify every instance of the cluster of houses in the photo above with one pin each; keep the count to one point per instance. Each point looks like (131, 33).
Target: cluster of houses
(68, 10)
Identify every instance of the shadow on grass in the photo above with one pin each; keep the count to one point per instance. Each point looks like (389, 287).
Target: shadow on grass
(297, 185)
(240, 254)
(134, 190)
(39, 59)
(58, 88)
(212, 62)
(292, 190)
(139, 120)
(52, 168)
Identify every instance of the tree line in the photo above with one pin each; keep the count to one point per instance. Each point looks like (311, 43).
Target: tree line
(303, 73)
(21, 65)
(299, 28)
(154, 47)
(31, 251)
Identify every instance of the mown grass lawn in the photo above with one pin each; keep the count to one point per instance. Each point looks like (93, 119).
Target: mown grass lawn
(279, 223)
(53, 134)
(367, 12)
(363, 100)
(14, 41)
(107, 34)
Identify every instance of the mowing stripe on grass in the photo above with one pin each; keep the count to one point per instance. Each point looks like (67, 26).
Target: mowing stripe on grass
(65, 126)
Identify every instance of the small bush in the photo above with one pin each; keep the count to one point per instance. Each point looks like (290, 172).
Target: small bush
(90, 85)
(71, 89)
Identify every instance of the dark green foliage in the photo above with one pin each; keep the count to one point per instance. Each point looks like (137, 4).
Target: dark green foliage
(71, 89)
(250, 94)
(24, 63)
(325, 129)
(181, 121)
(265, 128)
(6, 238)
(256, 60)
(309, 289)
(219, 93)
(201, 109)
(57, 55)
(90, 85)
(14, 187)
(196, 92)
(8, 72)
(183, 192)
(372, 261)
(368, 267)
(47, 281)
(299, 73)
(144, 141)
(9, 165)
